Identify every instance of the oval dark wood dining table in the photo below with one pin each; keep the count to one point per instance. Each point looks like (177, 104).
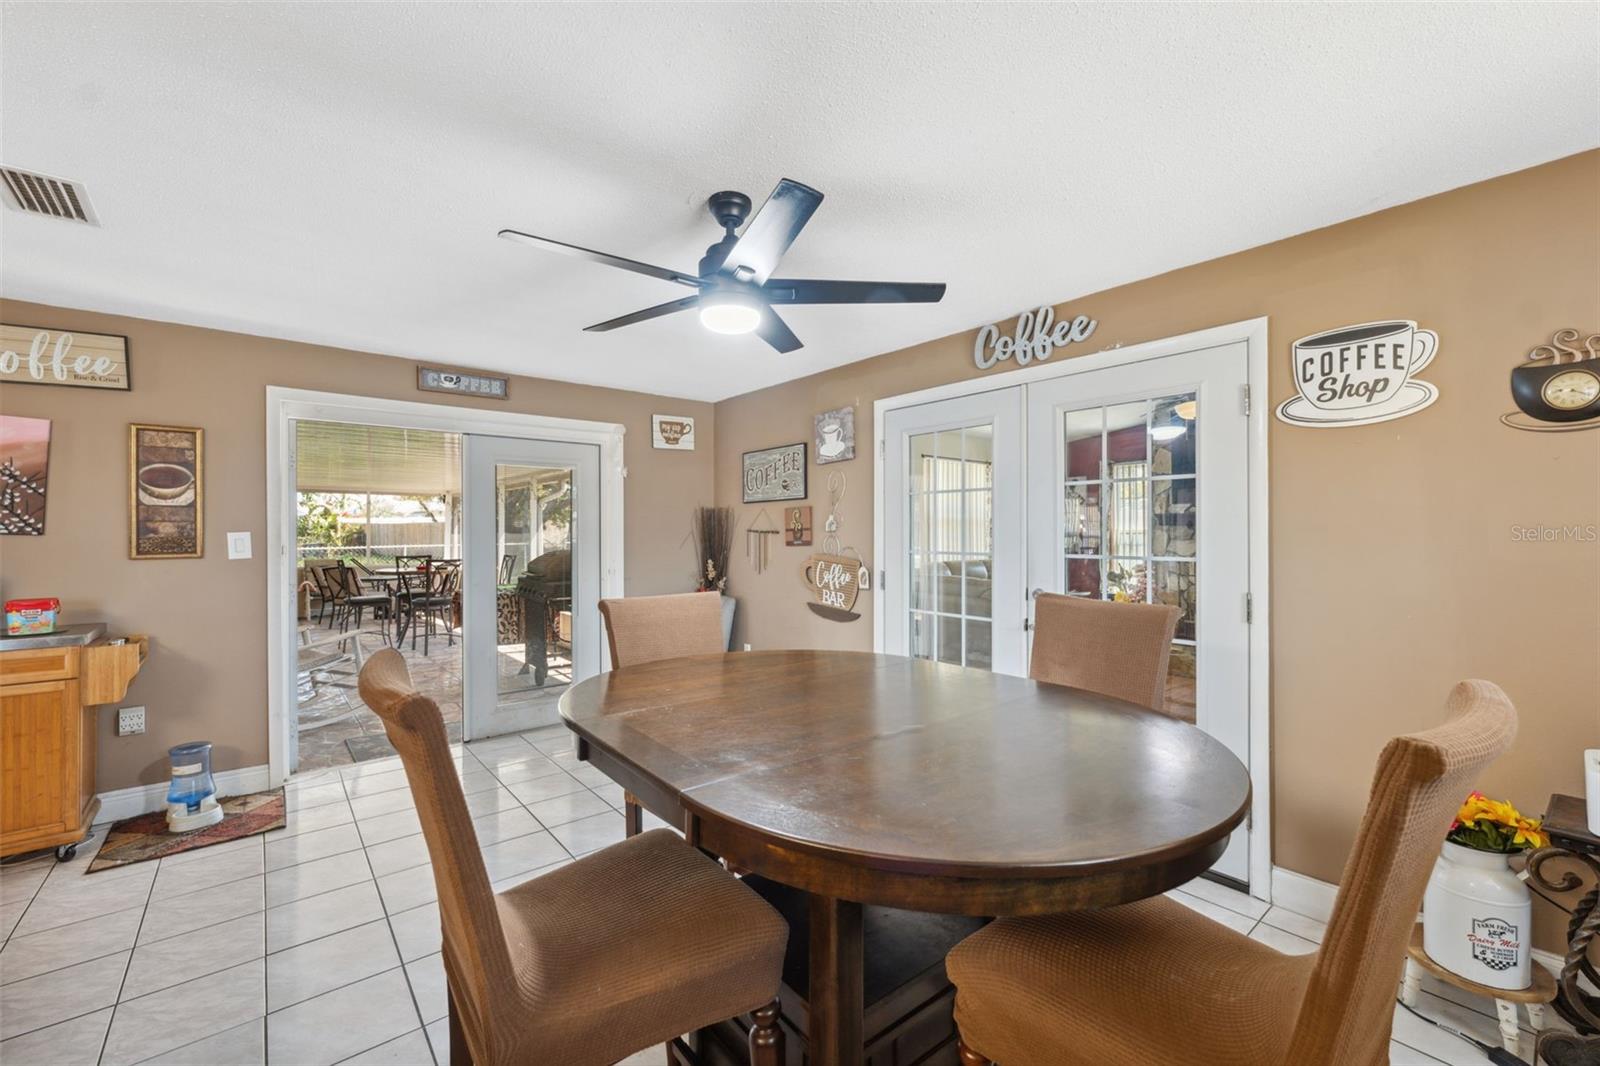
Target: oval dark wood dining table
(874, 779)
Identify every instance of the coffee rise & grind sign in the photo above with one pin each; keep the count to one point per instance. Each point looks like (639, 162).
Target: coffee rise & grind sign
(1361, 374)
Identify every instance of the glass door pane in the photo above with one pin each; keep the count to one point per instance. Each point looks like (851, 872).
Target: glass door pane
(953, 535)
(951, 509)
(1139, 458)
(532, 589)
(533, 585)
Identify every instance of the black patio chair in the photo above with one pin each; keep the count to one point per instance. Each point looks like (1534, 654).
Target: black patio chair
(354, 599)
(328, 591)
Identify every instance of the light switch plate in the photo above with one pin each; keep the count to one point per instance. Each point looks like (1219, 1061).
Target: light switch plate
(239, 545)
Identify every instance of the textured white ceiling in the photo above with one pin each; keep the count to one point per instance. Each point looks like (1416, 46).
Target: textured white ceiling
(336, 172)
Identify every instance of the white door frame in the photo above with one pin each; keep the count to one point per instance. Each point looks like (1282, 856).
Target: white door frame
(1253, 333)
(285, 405)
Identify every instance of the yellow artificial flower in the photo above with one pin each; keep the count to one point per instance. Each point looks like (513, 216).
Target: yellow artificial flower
(1479, 807)
(1529, 833)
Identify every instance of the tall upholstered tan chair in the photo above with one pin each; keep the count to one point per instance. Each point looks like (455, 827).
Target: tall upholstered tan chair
(1155, 984)
(1115, 649)
(642, 629)
(620, 950)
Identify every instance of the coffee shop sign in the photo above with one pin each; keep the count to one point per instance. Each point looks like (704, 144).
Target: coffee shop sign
(1038, 335)
(1361, 374)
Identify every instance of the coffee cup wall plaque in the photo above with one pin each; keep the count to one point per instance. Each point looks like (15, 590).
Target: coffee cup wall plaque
(1361, 374)
(1557, 388)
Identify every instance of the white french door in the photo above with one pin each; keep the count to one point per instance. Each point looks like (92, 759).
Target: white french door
(953, 536)
(1138, 490)
(531, 582)
(1126, 482)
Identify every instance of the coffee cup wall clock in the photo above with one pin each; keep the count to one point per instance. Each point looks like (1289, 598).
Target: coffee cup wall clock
(1361, 374)
(1557, 388)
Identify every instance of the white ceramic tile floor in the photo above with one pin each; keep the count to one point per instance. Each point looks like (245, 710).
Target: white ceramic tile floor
(319, 943)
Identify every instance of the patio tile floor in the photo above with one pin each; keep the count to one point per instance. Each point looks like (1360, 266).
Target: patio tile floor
(337, 729)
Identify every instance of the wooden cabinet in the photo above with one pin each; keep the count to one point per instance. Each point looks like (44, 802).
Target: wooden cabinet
(47, 739)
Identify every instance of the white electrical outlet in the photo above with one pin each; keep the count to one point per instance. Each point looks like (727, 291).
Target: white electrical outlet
(130, 720)
(747, 647)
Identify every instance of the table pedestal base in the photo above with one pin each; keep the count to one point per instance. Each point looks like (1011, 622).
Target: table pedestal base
(908, 998)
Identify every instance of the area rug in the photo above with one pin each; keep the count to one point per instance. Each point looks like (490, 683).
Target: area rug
(145, 837)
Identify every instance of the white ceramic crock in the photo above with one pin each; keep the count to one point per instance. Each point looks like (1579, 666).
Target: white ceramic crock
(1477, 917)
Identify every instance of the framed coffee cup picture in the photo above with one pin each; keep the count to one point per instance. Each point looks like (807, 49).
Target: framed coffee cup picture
(166, 492)
(1361, 374)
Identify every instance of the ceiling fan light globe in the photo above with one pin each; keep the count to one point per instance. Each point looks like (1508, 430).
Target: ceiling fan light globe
(1170, 431)
(729, 313)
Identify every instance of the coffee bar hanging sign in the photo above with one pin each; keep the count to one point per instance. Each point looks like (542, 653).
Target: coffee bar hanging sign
(1037, 337)
(1361, 374)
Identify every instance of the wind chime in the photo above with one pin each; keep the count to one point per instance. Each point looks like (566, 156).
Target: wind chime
(756, 548)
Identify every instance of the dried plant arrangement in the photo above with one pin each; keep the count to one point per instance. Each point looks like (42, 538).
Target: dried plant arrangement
(713, 537)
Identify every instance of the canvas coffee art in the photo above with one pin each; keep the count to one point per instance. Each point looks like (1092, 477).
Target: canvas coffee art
(24, 470)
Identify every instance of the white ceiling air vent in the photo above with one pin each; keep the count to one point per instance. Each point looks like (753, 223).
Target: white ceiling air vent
(39, 194)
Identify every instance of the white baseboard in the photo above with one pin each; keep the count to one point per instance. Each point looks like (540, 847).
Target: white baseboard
(1314, 899)
(142, 799)
(1302, 894)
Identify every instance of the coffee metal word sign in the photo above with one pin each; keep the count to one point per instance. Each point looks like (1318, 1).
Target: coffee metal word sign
(1557, 389)
(672, 432)
(1038, 335)
(461, 383)
(33, 356)
(775, 474)
(1361, 374)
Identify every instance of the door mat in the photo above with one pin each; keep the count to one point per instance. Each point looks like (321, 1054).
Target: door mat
(146, 837)
(376, 746)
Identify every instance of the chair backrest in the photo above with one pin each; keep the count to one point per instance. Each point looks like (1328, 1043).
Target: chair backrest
(318, 569)
(474, 941)
(1115, 649)
(1420, 781)
(446, 578)
(416, 574)
(642, 629)
(345, 579)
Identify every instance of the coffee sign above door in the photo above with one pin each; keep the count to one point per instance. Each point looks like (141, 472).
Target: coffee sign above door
(1358, 375)
(1038, 335)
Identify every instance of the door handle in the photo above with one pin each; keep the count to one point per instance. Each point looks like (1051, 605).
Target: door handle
(1034, 594)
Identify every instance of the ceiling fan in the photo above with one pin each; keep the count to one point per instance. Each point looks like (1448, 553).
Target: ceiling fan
(735, 289)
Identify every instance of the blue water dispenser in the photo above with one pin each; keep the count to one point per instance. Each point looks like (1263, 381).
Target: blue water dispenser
(192, 796)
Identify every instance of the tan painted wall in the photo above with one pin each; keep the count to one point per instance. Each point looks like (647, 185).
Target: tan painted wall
(1394, 569)
(207, 674)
